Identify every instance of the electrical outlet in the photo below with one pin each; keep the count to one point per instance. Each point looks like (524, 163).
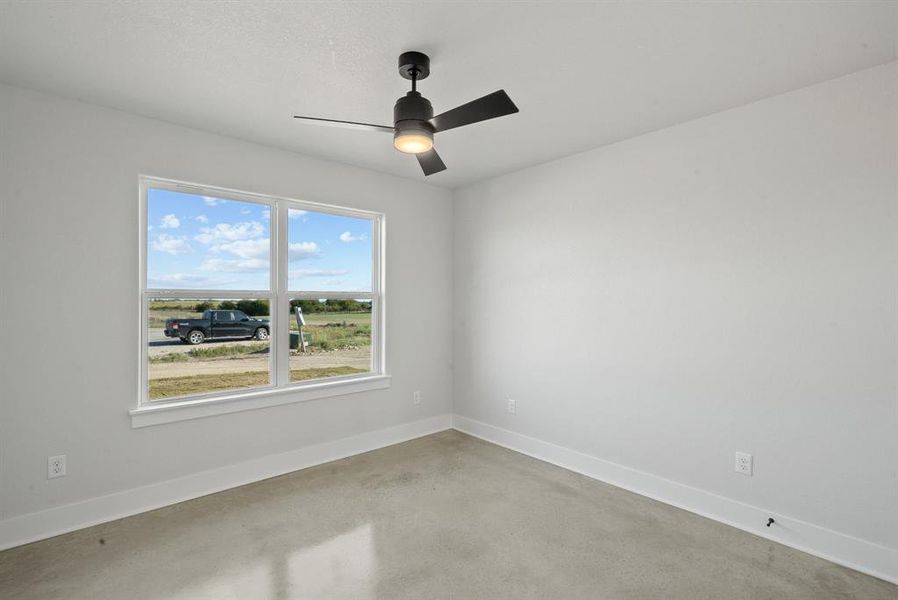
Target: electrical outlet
(56, 466)
(744, 463)
(512, 406)
(416, 397)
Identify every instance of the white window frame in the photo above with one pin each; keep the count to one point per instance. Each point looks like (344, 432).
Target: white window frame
(280, 390)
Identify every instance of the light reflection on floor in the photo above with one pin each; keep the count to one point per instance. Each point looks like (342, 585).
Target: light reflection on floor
(343, 566)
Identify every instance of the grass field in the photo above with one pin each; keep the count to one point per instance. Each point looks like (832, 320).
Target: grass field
(360, 318)
(169, 305)
(172, 387)
(156, 318)
(160, 310)
(335, 336)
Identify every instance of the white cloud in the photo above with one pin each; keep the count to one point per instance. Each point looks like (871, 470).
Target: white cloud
(250, 265)
(202, 218)
(229, 233)
(245, 211)
(303, 273)
(302, 250)
(266, 214)
(296, 213)
(210, 201)
(257, 248)
(170, 222)
(348, 237)
(179, 280)
(171, 244)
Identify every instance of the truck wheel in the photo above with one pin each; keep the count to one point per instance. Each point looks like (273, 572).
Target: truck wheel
(195, 337)
(261, 334)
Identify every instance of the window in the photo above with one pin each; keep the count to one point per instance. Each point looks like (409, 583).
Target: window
(331, 303)
(244, 294)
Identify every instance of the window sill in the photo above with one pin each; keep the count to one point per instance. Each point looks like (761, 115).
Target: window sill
(149, 415)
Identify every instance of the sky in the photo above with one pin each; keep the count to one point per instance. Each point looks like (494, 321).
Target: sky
(204, 242)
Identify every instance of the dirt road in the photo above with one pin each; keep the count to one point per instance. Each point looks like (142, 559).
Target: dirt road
(359, 358)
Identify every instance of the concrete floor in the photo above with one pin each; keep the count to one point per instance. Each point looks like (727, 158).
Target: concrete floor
(446, 516)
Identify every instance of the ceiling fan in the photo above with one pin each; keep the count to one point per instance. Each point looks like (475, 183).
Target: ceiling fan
(413, 120)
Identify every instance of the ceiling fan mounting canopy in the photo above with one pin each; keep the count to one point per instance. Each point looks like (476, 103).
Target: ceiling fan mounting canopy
(414, 65)
(414, 123)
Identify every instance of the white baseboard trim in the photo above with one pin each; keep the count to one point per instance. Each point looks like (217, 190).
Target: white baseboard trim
(860, 555)
(63, 519)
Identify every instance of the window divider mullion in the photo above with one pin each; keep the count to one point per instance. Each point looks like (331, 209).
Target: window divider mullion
(280, 309)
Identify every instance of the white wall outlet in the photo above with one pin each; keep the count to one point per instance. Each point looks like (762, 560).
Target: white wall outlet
(56, 466)
(512, 406)
(416, 397)
(744, 463)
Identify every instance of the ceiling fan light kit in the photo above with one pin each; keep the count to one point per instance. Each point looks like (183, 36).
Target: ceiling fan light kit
(414, 124)
(413, 141)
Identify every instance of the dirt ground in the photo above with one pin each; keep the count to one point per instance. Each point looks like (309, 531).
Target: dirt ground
(359, 358)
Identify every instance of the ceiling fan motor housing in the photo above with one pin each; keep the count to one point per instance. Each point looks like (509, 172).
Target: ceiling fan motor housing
(412, 113)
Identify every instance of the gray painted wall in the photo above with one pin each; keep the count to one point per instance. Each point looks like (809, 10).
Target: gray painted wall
(728, 284)
(69, 175)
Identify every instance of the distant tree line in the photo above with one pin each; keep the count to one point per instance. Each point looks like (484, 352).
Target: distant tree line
(260, 308)
(253, 308)
(314, 306)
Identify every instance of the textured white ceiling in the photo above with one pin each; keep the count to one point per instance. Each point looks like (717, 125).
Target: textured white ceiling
(582, 74)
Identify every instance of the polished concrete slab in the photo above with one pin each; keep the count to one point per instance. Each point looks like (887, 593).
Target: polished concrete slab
(445, 516)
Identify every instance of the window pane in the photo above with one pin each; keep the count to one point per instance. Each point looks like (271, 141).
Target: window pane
(208, 345)
(329, 252)
(336, 336)
(203, 242)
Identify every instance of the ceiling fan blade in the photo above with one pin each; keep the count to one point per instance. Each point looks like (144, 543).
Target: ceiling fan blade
(346, 124)
(497, 104)
(431, 162)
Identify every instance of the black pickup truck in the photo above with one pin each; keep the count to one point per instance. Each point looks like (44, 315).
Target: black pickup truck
(217, 324)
